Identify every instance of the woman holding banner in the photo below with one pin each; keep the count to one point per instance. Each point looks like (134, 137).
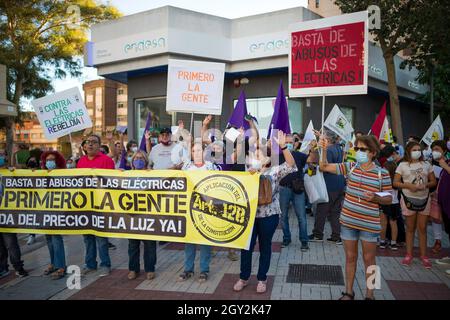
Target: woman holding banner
(368, 187)
(267, 215)
(139, 161)
(52, 160)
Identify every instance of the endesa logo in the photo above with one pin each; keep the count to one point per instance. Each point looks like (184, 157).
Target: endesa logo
(144, 45)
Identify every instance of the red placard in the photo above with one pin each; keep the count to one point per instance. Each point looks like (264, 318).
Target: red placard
(328, 57)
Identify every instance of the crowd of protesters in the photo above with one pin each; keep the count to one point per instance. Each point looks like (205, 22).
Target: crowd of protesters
(379, 193)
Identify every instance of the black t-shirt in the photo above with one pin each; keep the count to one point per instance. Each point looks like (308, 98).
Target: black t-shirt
(300, 161)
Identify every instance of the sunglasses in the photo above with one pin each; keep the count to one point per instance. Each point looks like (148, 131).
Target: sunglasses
(361, 149)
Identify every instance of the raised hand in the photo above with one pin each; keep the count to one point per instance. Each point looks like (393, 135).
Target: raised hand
(281, 139)
(323, 142)
(147, 134)
(207, 120)
(180, 124)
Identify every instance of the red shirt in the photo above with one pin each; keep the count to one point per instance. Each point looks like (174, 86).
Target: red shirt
(100, 161)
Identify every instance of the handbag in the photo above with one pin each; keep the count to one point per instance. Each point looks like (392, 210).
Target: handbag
(265, 191)
(315, 188)
(298, 185)
(415, 204)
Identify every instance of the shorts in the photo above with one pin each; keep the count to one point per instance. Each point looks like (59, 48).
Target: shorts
(392, 211)
(406, 212)
(356, 234)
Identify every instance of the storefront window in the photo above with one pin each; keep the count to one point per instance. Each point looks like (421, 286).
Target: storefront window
(262, 109)
(157, 107)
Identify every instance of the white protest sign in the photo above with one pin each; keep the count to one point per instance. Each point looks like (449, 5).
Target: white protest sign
(338, 123)
(309, 136)
(62, 113)
(194, 86)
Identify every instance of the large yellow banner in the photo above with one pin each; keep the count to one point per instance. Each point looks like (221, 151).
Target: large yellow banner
(204, 207)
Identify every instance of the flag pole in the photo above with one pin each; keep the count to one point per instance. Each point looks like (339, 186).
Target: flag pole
(323, 111)
(71, 144)
(192, 122)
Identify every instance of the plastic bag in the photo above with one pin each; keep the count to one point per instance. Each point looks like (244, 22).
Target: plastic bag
(316, 188)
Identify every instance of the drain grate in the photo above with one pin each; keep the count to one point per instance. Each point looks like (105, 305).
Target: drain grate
(315, 274)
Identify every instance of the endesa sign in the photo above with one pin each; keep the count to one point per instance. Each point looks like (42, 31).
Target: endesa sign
(329, 56)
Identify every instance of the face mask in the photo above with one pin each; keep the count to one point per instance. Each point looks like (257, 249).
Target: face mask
(362, 157)
(255, 164)
(390, 159)
(134, 149)
(50, 164)
(290, 146)
(415, 155)
(139, 164)
(437, 155)
(2, 161)
(129, 159)
(70, 165)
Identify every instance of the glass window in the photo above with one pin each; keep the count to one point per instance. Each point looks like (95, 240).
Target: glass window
(120, 105)
(119, 92)
(157, 107)
(317, 3)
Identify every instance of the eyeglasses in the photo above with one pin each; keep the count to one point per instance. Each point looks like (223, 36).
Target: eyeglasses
(91, 142)
(361, 149)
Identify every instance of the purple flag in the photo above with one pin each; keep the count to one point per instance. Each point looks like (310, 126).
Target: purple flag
(147, 127)
(123, 159)
(240, 111)
(280, 118)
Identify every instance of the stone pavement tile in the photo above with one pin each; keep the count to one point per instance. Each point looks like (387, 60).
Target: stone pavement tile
(409, 290)
(31, 289)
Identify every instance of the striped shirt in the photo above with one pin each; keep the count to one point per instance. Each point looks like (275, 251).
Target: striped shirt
(357, 212)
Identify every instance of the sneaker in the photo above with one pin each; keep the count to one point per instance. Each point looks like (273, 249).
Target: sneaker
(203, 277)
(443, 261)
(240, 285)
(313, 238)
(335, 241)
(132, 275)
(4, 273)
(21, 273)
(426, 262)
(59, 274)
(150, 275)
(31, 239)
(86, 271)
(304, 247)
(393, 247)
(104, 271)
(383, 244)
(232, 255)
(111, 246)
(407, 260)
(261, 287)
(285, 243)
(437, 247)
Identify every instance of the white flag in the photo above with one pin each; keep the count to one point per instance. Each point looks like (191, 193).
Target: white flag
(386, 133)
(309, 136)
(338, 123)
(435, 132)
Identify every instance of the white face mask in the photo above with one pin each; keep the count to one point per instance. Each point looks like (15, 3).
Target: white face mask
(134, 149)
(437, 155)
(415, 155)
(255, 164)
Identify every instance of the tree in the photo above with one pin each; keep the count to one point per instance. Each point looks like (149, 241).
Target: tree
(398, 20)
(42, 40)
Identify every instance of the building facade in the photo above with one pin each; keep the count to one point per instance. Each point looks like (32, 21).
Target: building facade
(135, 50)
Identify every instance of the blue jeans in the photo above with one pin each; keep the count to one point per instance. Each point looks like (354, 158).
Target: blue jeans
(298, 200)
(91, 243)
(263, 229)
(55, 246)
(134, 255)
(352, 234)
(189, 257)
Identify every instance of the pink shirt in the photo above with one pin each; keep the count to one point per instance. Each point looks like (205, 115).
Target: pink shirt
(100, 161)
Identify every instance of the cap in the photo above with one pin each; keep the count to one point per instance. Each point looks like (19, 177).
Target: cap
(165, 130)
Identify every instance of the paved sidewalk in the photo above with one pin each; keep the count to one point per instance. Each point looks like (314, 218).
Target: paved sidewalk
(397, 281)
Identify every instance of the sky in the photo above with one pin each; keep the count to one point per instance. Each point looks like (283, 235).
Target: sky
(224, 8)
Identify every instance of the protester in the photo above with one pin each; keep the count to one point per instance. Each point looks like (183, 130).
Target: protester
(139, 161)
(71, 163)
(335, 188)
(390, 213)
(267, 216)
(197, 163)
(292, 190)
(52, 160)
(32, 163)
(3, 159)
(415, 177)
(94, 159)
(167, 154)
(21, 156)
(398, 147)
(443, 191)
(360, 217)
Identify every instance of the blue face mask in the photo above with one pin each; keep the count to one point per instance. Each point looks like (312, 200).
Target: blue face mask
(129, 159)
(362, 157)
(139, 164)
(290, 146)
(390, 159)
(50, 164)
(2, 161)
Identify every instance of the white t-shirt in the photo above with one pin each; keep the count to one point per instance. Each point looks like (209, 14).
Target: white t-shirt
(395, 196)
(165, 157)
(415, 173)
(189, 165)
